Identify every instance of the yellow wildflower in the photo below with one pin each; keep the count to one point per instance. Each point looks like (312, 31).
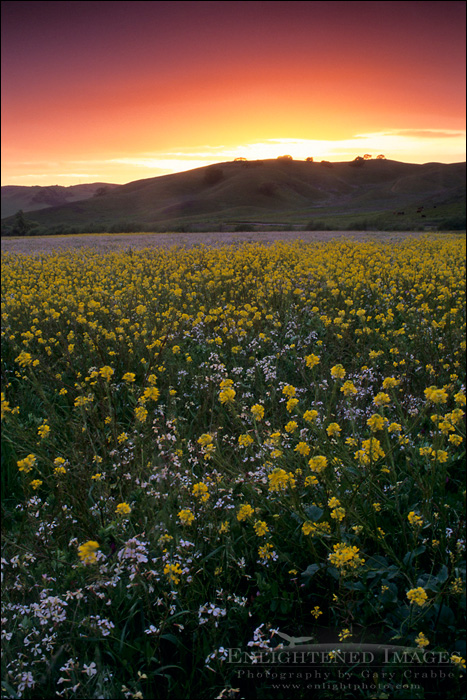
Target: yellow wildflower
(381, 399)
(141, 414)
(338, 372)
(435, 395)
(245, 511)
(417, 596)
(265, 551)
(311, 361)
(390, 383)
(151, 393)
(345, 557)
(24, 359)
(204, 439)
(333, 429)
(173, 573)
(279, 479)
(87, 552)
(43, 430)
(310, 416)
(106, 372)
(414, 519)
(421, 640)
(258, 411)
(290, 405)
(245, 440)
(348, 388)
(261, 528)
(376, 422)
(338, 514)
(458, 661)
(345, 634)
(186, 517)
(318, 463)
(200, 490)
(227, 395)
(123, 509)
(302, 448)
(25, 465)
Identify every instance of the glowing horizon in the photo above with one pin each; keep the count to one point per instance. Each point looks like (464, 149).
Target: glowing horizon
(394, 146)
(156, 88)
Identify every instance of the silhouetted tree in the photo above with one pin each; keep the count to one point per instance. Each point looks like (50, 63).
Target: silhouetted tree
(367, 156)
(309, 159)
(357, 162)
(284, 158)
(380, 157)
(21, 225)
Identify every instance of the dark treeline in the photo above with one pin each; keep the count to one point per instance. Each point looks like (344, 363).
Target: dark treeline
(22, 226)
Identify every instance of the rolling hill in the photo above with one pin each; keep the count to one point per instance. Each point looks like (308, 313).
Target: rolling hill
(16, 197)
(279, 191)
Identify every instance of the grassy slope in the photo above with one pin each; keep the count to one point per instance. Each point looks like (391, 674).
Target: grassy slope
(285, 191)
(16, 197)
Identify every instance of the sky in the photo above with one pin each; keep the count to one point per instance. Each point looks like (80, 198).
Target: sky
(120, 91)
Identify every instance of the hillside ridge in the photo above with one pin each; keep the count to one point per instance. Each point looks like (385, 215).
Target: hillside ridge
(286, 190)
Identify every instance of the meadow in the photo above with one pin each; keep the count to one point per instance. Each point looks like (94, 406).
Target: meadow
(204, 449)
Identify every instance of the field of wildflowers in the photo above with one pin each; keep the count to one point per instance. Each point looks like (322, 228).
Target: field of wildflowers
(203, 449)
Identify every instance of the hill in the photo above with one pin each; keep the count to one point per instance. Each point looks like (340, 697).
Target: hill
(271, 191)
(16, 197)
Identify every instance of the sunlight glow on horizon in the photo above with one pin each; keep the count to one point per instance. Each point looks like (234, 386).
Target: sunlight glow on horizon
(406, 145)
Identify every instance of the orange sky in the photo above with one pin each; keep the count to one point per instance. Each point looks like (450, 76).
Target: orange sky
(119, 91)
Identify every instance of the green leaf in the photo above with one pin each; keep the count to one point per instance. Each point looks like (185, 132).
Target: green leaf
(410, 556)
(446, 615)
(354, 586)
(311, 571)
(314, 513)
(428, 581)
(389, 595)
(443, 574)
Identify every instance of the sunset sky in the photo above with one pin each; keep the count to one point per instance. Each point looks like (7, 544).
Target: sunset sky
(119, 91)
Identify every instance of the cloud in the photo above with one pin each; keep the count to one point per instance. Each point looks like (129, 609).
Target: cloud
(410, 145)
(51, 175)
(431, 134)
